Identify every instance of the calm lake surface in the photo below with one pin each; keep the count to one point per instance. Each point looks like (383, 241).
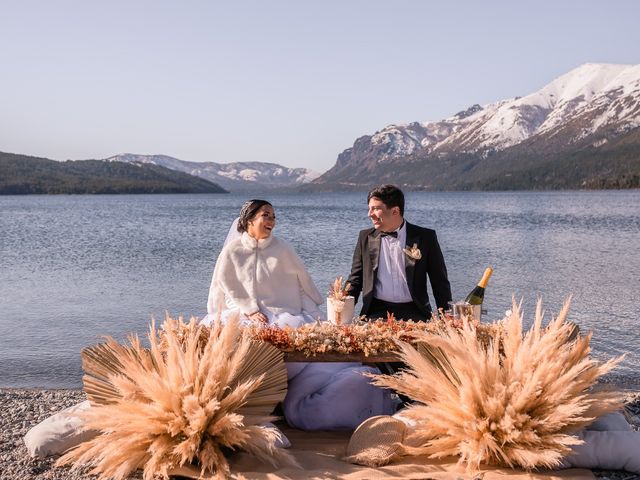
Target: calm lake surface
(74, 268)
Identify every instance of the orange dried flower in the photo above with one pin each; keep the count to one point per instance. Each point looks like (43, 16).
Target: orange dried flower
(339, 292)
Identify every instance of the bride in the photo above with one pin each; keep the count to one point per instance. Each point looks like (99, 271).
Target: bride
(261, 278)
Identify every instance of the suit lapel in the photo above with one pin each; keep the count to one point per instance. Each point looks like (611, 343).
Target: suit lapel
(410, 264)
(374, 250)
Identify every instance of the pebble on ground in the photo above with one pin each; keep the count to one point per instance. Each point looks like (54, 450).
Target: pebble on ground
(22, 409)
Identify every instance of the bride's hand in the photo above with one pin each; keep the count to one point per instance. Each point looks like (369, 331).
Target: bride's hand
(258, 317)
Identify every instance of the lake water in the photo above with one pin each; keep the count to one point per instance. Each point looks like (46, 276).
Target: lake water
(73, 268)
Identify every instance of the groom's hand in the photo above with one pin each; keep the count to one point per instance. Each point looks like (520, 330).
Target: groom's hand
(258, 317)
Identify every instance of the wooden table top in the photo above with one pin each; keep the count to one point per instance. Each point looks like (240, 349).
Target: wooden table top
(292, 356)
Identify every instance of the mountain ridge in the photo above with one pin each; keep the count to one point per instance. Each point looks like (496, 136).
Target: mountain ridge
(573, 114)
(235, 177)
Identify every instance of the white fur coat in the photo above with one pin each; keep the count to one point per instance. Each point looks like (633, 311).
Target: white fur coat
(261, 275)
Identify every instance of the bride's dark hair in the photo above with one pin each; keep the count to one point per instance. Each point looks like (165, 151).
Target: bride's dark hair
(248, 211)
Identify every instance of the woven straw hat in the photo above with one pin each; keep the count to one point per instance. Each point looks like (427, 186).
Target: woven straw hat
(376, 441)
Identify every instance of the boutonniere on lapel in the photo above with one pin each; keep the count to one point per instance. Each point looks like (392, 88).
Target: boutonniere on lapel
(413, 253)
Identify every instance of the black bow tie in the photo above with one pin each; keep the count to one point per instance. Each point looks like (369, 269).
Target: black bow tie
(389, 234)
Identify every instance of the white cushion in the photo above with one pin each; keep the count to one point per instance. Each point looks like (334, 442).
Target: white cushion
(607, 450)
(58, 433)
(615, 421)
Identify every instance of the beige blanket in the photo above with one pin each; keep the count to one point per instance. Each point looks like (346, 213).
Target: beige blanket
(320, 453)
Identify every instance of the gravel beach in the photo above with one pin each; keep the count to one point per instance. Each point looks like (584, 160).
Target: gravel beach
(21, 409)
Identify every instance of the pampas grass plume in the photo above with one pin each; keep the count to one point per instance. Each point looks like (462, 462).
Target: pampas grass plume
(193, 396)
(515, 402)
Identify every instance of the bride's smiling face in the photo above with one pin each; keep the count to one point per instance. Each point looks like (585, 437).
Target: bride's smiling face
(262, 224)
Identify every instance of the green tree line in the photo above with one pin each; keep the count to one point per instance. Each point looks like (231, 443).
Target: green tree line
(21, 175)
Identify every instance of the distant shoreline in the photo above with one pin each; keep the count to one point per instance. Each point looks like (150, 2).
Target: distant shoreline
(315, 192)
(133, 192)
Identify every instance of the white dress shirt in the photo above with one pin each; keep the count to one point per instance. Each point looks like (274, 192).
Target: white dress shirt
(391, 282)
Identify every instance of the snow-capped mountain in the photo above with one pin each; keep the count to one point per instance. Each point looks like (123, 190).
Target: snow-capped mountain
(587, 107)
(235, 177)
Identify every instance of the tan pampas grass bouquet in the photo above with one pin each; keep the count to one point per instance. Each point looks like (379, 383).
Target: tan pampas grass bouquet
(513, 401)
(185, 403)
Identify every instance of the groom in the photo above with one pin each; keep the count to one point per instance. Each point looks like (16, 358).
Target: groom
(390, 274)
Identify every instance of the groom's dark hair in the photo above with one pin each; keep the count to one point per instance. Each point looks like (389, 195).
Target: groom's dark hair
(390, 195)
(248, 211)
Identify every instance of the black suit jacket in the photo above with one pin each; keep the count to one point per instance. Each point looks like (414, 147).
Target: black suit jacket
(364, 268)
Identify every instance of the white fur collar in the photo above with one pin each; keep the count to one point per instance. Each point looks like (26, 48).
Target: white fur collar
(250, 242)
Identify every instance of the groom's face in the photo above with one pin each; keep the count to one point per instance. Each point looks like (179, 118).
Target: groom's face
(384, 218)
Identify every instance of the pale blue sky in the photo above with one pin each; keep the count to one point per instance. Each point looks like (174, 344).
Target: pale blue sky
(291, 82)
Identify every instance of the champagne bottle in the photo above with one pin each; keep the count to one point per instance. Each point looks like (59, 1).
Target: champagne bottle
(477, 294)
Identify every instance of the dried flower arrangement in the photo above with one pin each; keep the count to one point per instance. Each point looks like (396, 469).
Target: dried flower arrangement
(365, 337)
(339, 304)
(338, 291)
(179, 405)
(514, 400)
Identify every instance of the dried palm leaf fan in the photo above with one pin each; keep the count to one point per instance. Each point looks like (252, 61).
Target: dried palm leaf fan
(182, 403)
(515, 401)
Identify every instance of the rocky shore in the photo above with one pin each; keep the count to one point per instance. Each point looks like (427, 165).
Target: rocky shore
(20, 409)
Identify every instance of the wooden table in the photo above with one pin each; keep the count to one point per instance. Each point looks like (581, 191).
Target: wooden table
(293, 356)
